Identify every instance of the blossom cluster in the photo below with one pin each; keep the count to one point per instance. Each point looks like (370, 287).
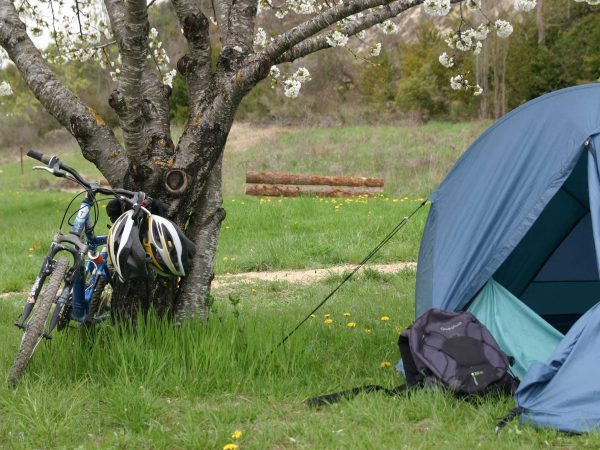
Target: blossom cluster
(436, 8)
(460, 82)
(81, 31)
(525, 5)
(158, 54)
(337, 39)
(291, 84)
(5, 89)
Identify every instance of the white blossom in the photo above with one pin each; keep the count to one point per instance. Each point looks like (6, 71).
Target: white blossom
(449, 38)
(260, 38)
(464, 41)
(375, 49)
(274, 72)
(459, 82)
(280, 14)
(477, 49)
(291, 87)
(481, 33)
(116, 74)
(503, 28)
(337, 39)
(5, 89)
(389, 27)
(436, 8)
(302, 6)
(446, 60)
(477, 90)
(302, 75)
(168, 77)
(525, 5)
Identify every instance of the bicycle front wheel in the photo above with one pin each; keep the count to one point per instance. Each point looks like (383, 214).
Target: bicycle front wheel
(34, 330)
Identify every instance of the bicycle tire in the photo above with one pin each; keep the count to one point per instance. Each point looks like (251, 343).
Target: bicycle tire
(96, 302)
(35, 327)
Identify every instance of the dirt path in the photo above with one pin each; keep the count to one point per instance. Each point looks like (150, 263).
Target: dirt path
(304, 276)
(291, 276)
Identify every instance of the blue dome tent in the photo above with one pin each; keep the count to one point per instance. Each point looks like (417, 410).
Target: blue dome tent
(513, 235)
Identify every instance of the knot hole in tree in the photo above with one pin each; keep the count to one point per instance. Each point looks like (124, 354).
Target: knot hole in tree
(176, 181)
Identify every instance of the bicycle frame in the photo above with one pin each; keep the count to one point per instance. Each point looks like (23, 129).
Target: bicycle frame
(83, 275)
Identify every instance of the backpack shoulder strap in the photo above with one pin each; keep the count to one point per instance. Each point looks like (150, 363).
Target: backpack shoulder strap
(328, 399)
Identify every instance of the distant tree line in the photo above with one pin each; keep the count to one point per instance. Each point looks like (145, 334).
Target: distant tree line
(555, 48)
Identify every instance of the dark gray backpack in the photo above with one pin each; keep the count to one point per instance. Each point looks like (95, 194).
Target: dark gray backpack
(456, 351)
(448, 349)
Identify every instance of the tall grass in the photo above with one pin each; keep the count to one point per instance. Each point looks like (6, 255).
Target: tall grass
(158, 386)
(162, 387)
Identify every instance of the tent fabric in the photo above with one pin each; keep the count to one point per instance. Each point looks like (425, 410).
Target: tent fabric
(498, 189)
(564, 392)
(518, 330)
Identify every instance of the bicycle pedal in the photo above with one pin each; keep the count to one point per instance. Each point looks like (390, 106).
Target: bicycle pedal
(47, 336)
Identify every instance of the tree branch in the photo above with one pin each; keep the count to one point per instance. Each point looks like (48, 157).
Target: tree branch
(241, 20)
(222, 10)
(318, 23)
(97, 142)
(316, 43)
(155, 109)
(195, 65)
(139, 96)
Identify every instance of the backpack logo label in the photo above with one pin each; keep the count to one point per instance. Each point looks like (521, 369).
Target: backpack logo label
(450, 328)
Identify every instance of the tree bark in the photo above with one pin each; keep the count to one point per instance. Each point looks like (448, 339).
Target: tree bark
(187, 175)
(540, 24)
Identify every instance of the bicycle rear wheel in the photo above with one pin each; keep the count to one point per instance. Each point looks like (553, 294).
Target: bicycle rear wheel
(34, 330)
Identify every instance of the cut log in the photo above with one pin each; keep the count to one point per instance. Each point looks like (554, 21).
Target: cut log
(282, 190)
(297, 179)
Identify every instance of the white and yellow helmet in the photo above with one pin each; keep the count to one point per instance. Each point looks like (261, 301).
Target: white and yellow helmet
(168, 248)
(124, 247)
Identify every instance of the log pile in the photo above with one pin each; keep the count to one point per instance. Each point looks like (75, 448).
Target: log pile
(278, 184)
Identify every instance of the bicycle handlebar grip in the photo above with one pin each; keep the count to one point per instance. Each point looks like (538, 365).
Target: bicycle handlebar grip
(39, 156)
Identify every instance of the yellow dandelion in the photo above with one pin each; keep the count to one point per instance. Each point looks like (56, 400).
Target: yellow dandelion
(347, 314)
(231, 447)
(368, 330)
(225, 258)
(351, 324)
(384, 318)
(312, 316)
(253, 290)
(328, 321)
(385, 364)
(327, 316)
(236, 434)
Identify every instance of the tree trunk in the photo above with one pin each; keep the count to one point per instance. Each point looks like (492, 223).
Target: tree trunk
(539, 23)
(187, 297)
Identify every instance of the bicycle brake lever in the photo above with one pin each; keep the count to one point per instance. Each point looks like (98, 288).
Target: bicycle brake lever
(55, 172)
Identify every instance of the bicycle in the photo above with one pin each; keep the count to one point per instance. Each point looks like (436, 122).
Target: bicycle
(75, 287)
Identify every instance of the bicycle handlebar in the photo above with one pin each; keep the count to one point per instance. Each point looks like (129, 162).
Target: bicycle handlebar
(63, 167)
(39, 156)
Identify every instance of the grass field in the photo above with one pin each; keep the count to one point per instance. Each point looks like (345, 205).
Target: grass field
(162, 387)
